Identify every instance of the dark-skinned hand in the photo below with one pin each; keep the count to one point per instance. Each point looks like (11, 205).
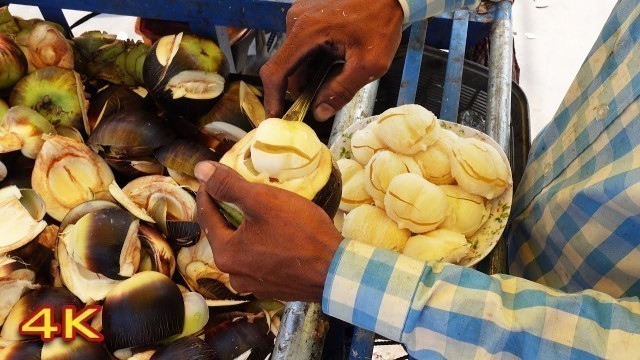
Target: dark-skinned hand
(363, 33)
(284, 246)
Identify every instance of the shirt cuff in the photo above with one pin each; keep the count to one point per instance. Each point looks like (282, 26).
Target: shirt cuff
(416, 10)
(371, 288)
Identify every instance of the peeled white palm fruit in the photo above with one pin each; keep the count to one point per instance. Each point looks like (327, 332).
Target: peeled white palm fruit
(370, 225)
(434, 161)
(382, 168)
(416, 204)
(285, 149)
(354, 192)
(468, 211)
(365, 143)
(478, 168)
(408, 129)
(438, 245)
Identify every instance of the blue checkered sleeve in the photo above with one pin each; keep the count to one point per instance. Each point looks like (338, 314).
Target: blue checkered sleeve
(574, 240)
(445, 311)
(415, 10)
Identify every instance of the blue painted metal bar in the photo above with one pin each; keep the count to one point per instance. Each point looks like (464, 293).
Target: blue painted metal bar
(413, 61)
(455, 65)
(257, 14)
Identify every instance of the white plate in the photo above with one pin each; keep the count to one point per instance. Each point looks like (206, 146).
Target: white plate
(486, 238)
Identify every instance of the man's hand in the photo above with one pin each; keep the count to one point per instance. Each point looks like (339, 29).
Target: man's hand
(364, 33)
(284, 246)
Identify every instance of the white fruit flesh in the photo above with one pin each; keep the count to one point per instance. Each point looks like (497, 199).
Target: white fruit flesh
(194, 84)
(382, 168)
(416, 204)
(354, 192)
(240, 158)
(478, 168)
(434, 161)
(365, 143)
(370, 225)
(407, 129)
(285, 150)
(438, 245)
(468, 211)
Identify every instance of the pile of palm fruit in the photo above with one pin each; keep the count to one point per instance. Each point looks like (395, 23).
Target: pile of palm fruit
(99, 138)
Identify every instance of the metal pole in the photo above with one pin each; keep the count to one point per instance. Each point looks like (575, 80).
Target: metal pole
(500, 77)
(302, 331)
(499, 106)
(361, 106)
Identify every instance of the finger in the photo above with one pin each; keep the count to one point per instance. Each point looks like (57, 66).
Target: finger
(241, 284)
(300, 44)
(211, 220)
(298, 81)
(224, 184)
(339, 90)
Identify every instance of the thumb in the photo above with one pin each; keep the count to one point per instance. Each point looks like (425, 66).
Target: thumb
(223, 183)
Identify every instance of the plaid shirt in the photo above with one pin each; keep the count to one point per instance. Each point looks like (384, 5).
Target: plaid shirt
(575, 235)
(415, 10)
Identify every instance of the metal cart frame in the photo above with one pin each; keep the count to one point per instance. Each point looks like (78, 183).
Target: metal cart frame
(303, 324)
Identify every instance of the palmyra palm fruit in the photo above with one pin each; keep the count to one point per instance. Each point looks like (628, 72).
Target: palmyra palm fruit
(13, 64)
(12, 290)
(438, 245)
(382, 168)
(479, 168)
(142, 310)
(129, 134)
(160, 199)
(370, 224)
(185, 73)
(26, 306)
(55, 93)
(246, 338)
(44, 45)
(434, 161)
(67, 173)
(113, 99)
(288, 155)
(189, 347)
(98, 250)
(77, 349)
(26, 127)
(468, 211)
(197, 267)
(108, 58)
(21, 214)
(180, 158)
(416, 204)
(3, 108)
(354, 192)
(239, 107)
(365, 143)
(407, 129)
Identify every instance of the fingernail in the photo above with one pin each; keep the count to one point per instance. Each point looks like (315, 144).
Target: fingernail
(204, 170)
(324, 111)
